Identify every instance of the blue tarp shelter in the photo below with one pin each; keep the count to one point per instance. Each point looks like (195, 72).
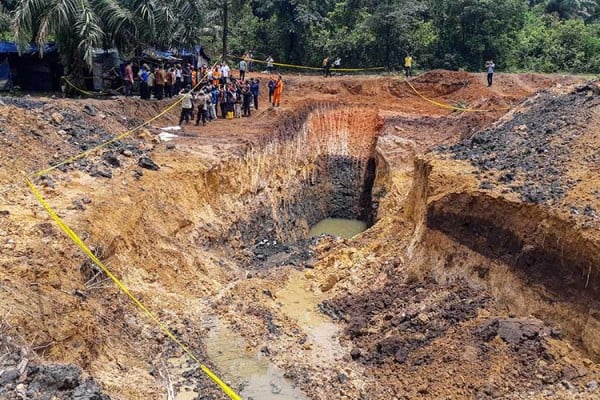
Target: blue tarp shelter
(11, 48)
(29, 70)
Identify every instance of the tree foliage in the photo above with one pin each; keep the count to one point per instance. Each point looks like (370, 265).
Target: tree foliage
(539, 35)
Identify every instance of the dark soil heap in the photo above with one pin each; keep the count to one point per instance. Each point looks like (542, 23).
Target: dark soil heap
(22, 378)
(532, 150)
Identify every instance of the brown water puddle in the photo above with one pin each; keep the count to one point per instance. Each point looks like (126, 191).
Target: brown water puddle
(261, 379)
(299, 303)
(344, 228)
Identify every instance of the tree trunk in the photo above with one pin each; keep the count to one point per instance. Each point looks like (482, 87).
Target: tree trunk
(225, 27)
(75, 68)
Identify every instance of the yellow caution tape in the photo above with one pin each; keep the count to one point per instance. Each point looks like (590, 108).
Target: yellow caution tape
(224, 387)
(76, 88)
(125, 290)
(312, 68)
(448, 106)
(115, 139)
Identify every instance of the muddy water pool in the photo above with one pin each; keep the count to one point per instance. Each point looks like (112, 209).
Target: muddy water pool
(344, 228)
(261, 379)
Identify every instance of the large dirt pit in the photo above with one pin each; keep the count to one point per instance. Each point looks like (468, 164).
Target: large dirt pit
(477, 277)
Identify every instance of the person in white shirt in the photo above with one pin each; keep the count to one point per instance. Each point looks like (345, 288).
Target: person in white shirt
(225, 70)
(187, 105)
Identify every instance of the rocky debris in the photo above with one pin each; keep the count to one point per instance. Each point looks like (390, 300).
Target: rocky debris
(533, 147)
(513, 330)
(147, 163)
(387, 324)
(101, 173)
(22, 102)
(22, 378)
(111, 159)
(90, 110)
(272, 253)
(133, 122)
(58, 118)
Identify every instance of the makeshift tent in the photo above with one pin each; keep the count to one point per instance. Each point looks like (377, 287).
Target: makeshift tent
(196, 57)
(105, 69)
(28, 70)
(5, 78)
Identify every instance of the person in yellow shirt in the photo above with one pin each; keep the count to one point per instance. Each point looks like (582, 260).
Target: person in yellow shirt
(408, 62)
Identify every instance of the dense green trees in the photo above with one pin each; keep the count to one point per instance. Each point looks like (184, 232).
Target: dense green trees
(538, 35)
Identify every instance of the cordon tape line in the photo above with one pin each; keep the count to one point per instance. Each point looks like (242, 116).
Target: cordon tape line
(76, 88)
(115, 139)
(124, 289)
(307, 67)
(448, 106)
(77, 240)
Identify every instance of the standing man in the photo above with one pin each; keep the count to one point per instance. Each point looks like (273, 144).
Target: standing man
(490, 71)
(143, 75)
(128, 79)
(187, 105)
(326, 67)
(243, 66)
(225, 71)
(270, 64)
(250, 61)
(254, 89)
(178, 78)
(277, 92)
(159, 82)
(271, 86)
(151, 79)
(408, 62)
(170, 82)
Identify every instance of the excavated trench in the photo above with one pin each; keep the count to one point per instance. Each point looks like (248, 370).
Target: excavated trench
(320, 165)
(257, 209)
(212, 238)
(554, 264)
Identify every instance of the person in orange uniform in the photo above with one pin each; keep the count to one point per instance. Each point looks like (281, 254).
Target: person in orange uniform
(217, 75)
(277, 92)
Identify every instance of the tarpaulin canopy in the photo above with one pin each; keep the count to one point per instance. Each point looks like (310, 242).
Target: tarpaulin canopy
(11, 48)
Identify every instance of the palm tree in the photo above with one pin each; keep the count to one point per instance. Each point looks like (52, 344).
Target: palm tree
(80, 26)
(72, 24)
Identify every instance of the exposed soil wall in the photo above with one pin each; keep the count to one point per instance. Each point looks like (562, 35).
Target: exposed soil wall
(323, 168)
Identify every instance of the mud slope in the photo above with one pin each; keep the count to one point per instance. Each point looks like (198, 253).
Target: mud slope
(466, 285)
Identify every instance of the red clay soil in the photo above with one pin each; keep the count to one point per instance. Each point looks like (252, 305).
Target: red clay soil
(435, 300)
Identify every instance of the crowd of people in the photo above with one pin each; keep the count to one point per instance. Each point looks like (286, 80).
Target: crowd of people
(206, 90)
(218, 94)
(207, 93)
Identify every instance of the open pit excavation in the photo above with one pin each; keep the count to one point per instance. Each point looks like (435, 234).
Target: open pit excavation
(474, 273)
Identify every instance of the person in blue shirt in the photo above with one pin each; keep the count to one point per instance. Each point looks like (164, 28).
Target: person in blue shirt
(490, 71)
(215, 99)
(254, 89)
(243, 66)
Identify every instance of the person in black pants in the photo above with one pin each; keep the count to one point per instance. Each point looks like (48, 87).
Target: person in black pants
(490, 71)
(271, 85)
(254, 89)
(204, 101)
(247, 98)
